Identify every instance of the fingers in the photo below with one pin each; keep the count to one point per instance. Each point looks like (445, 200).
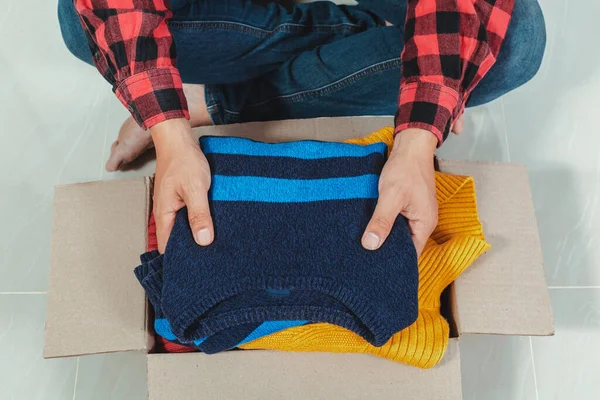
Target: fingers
(459, 125)
(131, 143)
(383, 219)
(199, 216)
(165, 219)
(182, 179)
(420, 231)
(116, 158)
(124, 152)
(406, 187)
(381, 223)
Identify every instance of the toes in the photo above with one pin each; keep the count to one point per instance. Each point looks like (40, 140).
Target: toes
(459, 125)
(131, 143)
(115, 159)
(121, 153)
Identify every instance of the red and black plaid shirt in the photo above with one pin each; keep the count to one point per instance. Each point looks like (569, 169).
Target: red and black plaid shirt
(449, 46)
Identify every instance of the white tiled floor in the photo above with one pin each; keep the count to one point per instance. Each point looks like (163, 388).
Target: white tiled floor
(59, 118)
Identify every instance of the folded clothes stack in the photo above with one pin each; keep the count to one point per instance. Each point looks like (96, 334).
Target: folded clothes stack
(287, 270)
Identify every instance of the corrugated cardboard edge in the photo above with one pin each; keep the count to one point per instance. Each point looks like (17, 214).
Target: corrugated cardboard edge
(505, 291)
(327, 129)
(267, 375)
(99, 231)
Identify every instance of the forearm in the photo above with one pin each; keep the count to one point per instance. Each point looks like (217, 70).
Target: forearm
(417, 141)
(134, 51)
(169, 135)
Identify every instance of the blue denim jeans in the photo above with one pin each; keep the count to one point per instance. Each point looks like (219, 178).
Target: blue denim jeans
(262, 60)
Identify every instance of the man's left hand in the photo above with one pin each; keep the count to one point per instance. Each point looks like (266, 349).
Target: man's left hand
(406, 187)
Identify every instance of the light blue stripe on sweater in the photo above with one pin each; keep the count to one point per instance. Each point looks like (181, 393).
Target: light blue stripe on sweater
(307, 149)
(270, 327)
(276, 190)
(200, 341)
(163, 328)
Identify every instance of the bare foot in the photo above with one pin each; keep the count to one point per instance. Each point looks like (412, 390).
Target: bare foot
(133, 141)
(459, 125)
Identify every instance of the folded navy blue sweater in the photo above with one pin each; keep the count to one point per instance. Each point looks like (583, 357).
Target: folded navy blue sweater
(149, 273)
(288, 223)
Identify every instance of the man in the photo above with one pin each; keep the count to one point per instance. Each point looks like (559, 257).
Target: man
(243, 61)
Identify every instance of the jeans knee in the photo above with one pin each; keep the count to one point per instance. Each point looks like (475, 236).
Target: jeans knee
(520, 56)
(393, 11)
(72, 31)
(525, 41)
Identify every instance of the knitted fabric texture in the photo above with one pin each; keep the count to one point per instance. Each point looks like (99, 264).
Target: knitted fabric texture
(219, 342)
(455, 244)
(288, 222)
(237, 335)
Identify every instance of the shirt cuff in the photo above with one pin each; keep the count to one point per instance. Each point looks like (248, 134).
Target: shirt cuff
(428, 106)
(153, 96)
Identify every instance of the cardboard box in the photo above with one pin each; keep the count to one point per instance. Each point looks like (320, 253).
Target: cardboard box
(95, 304)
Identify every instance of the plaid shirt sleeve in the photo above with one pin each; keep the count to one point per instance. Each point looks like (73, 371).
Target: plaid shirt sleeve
(133, 49)
(449, 46)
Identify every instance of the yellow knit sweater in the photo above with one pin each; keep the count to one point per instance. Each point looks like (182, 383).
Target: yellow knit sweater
(455, 243)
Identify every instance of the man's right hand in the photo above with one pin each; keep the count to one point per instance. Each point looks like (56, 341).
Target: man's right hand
(182, 179)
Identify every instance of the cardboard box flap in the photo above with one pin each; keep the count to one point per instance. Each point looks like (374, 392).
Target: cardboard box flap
(505, 291)
(327, 129)
(95, 304)
(265, 375)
